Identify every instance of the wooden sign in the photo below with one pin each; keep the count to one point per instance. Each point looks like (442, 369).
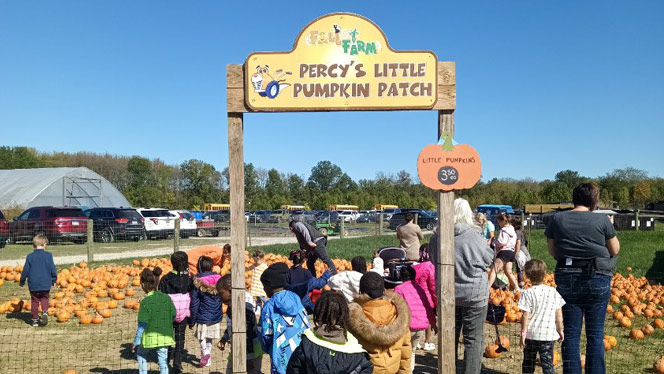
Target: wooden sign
(448, 167)
(341, 61)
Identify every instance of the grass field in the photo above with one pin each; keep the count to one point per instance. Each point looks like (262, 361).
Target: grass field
(105, 348)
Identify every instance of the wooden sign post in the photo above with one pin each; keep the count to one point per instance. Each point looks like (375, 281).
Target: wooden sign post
(339, 62)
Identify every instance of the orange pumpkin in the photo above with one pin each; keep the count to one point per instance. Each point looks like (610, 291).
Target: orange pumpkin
(98, 320)
(648, 330)
(63, 317)
(106, 313)
(556, 358)
(636, 334)
(490, 351)
(70, 371)
(130, 292)
(505, 341)
(658, 367)
(86, 319)
(625, 322)
(658, 323)
(449, 167)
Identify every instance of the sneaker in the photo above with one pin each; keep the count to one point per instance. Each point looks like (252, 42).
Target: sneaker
(419, 347)
(34, 323)
(429, 346)
(205, 361)
(44, 318)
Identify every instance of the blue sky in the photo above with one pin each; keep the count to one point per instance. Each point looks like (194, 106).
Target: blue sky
(541, 86)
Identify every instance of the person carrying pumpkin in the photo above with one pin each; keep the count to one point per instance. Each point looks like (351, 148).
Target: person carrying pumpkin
(155, 323)
(178, 285)
(218, 256)
(39, 270)
(380, 320)
(205, 308)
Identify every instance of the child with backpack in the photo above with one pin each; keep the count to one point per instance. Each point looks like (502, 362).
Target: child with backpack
(177, 285)
(328, 347)
(155, 323)
(254, 352)
(39, 270)
(205, 308)
(283, 318)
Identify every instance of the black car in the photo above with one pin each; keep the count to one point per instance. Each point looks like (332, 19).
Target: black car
(4, 230)
(219, 216)
(424, 219)
(111, 224)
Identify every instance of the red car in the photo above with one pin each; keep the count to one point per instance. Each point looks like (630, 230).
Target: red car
(4, 231)
(57, 223)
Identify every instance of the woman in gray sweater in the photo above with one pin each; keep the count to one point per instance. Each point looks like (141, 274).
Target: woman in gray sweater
(472, 259)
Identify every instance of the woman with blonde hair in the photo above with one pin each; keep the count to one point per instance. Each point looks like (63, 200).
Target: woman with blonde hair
(487, 227)
(473, 256)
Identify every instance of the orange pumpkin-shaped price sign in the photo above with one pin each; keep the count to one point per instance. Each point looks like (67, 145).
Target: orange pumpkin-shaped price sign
(449, 167)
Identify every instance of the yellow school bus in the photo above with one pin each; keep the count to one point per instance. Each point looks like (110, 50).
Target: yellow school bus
(382, 207)
(210, 207)
(344, 207)
(294, 207)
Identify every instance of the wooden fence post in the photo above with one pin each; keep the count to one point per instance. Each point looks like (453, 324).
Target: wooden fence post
(91, 239)
(238, 237)
(445, 265)
(176, 236)
(342, 227)
(380, 224)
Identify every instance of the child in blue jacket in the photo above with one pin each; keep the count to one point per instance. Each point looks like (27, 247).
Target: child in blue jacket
(205, 308)
(283, 318)
(39, 270)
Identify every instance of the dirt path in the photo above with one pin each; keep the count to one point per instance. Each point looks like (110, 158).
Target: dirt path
(167, 249)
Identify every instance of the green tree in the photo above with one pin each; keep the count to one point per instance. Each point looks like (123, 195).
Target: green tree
(641, 193)
(18, 158)
(200, 182)
(275, 185)
(570, 178)
(325, 175)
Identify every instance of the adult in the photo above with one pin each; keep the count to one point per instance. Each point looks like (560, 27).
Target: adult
(472, 259)
(217, 254)
(313, 242)
(586, 248)
(487, 227)
(409, 235)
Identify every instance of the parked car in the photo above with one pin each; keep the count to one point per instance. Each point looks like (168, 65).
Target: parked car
(258, 216)
(303, 216)
(219, 216)
(111, 224)
(328, 217)
(57, 223)
(281, 215)
(492, 211)
(388, 213)
(4, 230)
(424, 219)
(159, 223)
(348, 215)
(187, 223)
(367, 218)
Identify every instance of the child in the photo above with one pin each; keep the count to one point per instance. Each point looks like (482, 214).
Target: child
(421, 312)
(542, 321)
(259, 267)
(378, 265)
(40, 272)
(506, 247)
(297, 274)
(155, 323)
(205, 308)
(348, 282)
(425, 278)
(380, 322)
(177, 285)
(283, 319)
(328, 347)
(254, 354)
(304, 290)
(522, 254)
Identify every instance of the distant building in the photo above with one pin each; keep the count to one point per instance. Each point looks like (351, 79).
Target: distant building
(80, 186)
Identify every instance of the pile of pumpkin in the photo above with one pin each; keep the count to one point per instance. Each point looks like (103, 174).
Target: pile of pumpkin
(92, 294)
(630, 297)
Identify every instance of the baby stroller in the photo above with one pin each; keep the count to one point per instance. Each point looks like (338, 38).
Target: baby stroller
(394, 259)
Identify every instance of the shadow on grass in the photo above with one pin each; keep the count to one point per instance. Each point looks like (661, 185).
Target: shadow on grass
(23, 316)
(656, 271)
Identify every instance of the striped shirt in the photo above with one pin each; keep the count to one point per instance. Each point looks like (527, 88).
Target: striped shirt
(256, 285)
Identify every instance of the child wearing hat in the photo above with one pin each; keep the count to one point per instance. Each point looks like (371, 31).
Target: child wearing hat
(283, 318)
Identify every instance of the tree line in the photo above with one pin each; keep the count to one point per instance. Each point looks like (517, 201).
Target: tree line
(152, 182)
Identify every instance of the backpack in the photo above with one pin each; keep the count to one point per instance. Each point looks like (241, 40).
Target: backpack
(181, 302)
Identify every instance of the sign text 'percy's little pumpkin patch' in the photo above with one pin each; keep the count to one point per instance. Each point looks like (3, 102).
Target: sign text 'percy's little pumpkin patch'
(449, 167)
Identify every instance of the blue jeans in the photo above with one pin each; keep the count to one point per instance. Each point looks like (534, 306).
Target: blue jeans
(162, 359)
(586, 298)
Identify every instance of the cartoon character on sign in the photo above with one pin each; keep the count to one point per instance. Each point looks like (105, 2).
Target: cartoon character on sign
(265, 84)
(446, 166)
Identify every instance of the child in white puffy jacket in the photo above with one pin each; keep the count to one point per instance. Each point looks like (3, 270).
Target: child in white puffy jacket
(348, 282)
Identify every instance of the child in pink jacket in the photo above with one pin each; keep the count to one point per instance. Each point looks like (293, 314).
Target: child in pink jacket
(420, 308)
(425, 278)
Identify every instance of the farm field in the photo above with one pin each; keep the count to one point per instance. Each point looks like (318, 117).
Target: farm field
(104, 348)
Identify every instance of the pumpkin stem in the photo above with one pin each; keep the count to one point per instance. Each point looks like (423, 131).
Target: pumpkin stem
(447, 143)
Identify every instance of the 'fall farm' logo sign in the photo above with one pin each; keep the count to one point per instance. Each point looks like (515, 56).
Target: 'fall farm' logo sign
(341, 62)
